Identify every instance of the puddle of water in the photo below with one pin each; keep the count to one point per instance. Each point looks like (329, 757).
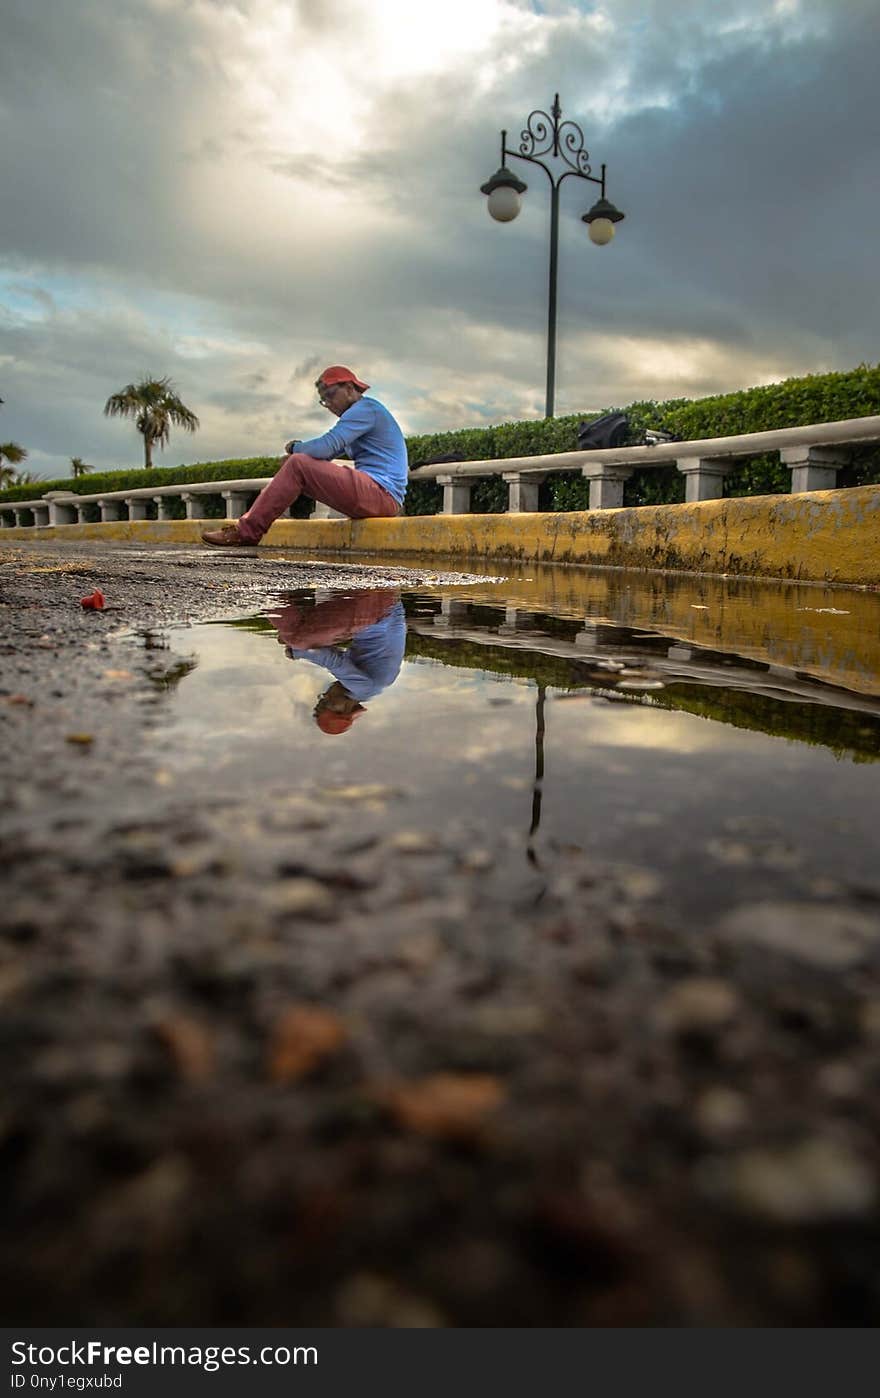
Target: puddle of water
(719, 740)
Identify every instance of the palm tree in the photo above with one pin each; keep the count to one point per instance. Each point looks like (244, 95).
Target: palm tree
(155, 406)
(13, 454)
(78, 467)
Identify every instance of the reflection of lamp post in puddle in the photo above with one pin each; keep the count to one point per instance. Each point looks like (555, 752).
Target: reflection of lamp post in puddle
(454, 612)
(538, 785)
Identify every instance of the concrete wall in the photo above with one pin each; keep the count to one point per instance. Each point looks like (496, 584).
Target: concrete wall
(820, 536)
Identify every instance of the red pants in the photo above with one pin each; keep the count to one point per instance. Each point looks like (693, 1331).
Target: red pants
(335, 619)
(352, 492)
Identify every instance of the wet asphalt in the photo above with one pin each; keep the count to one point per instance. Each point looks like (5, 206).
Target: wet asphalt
(265, 1066)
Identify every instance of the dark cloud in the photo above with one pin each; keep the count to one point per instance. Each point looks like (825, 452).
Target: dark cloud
(172, 201)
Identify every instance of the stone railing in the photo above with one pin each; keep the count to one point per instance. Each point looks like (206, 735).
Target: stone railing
(813, 454)
(68, 507)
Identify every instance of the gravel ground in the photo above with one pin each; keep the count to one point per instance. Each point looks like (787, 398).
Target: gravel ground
(251, 1081)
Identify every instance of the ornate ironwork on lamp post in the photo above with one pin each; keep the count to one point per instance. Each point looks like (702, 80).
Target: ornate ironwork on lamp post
(546, 134)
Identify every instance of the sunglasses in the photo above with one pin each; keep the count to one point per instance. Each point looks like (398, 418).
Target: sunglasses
(324, 394)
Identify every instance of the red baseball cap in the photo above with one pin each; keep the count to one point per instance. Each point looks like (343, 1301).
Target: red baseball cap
(337, 373)
(330, 722)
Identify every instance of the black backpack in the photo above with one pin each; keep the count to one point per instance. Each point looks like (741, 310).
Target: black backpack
(608, 431)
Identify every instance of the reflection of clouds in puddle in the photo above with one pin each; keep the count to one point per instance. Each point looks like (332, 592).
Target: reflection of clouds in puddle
(623, 777)
(443, 679)
(438, 681)
(245, 692)
(486, 751)
(240, 689)
(469, 697)
(641, 726)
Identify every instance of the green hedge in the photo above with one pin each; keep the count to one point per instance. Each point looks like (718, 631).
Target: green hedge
(793, 403)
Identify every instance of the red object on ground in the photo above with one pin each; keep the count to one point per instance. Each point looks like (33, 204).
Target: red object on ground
(94, 603)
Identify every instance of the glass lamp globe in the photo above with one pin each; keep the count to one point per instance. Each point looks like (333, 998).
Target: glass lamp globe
(504, 203)
(601, 231)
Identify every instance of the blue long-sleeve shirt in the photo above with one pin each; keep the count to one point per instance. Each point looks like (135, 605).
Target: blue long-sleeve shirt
(371, 663)
(370, 436)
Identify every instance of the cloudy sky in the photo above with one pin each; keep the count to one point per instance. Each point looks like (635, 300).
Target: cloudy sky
(237, 192)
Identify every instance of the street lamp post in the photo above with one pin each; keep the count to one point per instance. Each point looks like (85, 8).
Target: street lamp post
(546, 134)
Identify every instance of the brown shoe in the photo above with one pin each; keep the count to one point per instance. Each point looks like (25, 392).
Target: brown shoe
(227, 537)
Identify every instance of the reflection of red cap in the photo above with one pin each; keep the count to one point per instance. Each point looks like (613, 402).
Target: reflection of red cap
(337, 373)
(329, 722)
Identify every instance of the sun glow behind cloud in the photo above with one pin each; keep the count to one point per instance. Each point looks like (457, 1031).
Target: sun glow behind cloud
(310, 83)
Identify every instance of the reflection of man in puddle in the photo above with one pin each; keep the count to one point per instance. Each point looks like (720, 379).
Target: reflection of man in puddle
(376, 624)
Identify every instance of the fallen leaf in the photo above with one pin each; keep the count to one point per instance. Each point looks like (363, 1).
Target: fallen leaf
(83, 739)
(304, 1037)
(371, 792)
(445, 1106)
(190, 1046)
(95, 602)
(413, 842)
(302, 897)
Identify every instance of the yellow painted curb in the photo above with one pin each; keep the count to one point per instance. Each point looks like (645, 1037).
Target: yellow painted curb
(817, 536)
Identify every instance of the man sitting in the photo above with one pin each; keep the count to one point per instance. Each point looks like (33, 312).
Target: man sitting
(371, 486)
